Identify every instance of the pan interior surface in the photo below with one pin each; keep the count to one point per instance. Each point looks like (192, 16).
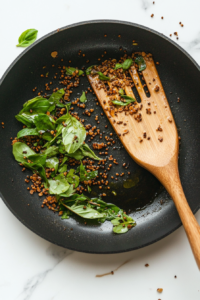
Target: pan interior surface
(139, 193)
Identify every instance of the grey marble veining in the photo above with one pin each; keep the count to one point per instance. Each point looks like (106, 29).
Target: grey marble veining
(57, 254)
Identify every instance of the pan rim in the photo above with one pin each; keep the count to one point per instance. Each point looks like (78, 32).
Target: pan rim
(98, 21)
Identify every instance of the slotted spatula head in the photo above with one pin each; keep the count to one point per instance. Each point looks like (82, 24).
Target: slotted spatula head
(147, 130)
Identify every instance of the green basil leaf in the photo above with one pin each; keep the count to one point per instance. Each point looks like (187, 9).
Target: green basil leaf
(72, 178)
(37, 167)
(121, 92)
(27, 131)
(128, 98)
(103, 77)
(83, 98)
(73, 135)
(20, 150)
(86, 213)
(118, 102)
(118, 66)
(70, 71)
(51, 151)
(89, 69)
(62, 169)
(52, 163)
(37, 159)
(89, 189)
(43, 122)
(127, 63)
(38, 105)
(86, 151)
(23, 119)
(30, 102)
(27, 38)
(59, 185)
(141, 63)
(69, 192)
(55, 98)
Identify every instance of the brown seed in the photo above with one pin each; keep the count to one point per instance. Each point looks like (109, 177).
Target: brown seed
(146, 265)
(159, 290)
(54, 54)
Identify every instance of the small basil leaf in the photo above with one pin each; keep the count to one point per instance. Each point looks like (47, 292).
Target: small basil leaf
(27, 131)
(141, 63)
(127, 63)
(59, 185)
(27, 38)
(118, 66)
(86, 151)
(70, 71)
(84, 211)
(89, 70)
(128, 98)
(118, 102)
(20, 150)
(73, 135)
(83, 98)
(103, 77)
(55, 98)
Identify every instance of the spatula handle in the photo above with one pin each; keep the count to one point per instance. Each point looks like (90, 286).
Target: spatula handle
(171, 180)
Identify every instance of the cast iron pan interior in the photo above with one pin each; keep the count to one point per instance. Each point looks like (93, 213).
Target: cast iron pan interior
(180, 77)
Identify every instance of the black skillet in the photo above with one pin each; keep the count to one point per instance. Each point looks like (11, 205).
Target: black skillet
(144, 198)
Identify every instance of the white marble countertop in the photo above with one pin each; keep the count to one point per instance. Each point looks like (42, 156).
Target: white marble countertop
(32, 268)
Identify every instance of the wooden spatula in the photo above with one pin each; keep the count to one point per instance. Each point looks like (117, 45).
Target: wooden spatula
(148, 132)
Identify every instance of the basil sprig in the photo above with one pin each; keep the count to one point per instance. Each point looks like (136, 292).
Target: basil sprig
(27, 38)
(125, 65)
(141, 63)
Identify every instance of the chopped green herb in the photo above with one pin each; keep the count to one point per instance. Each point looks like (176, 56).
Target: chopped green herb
(125, 65)
(141, 63)
(70, 71)
(83, 98)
